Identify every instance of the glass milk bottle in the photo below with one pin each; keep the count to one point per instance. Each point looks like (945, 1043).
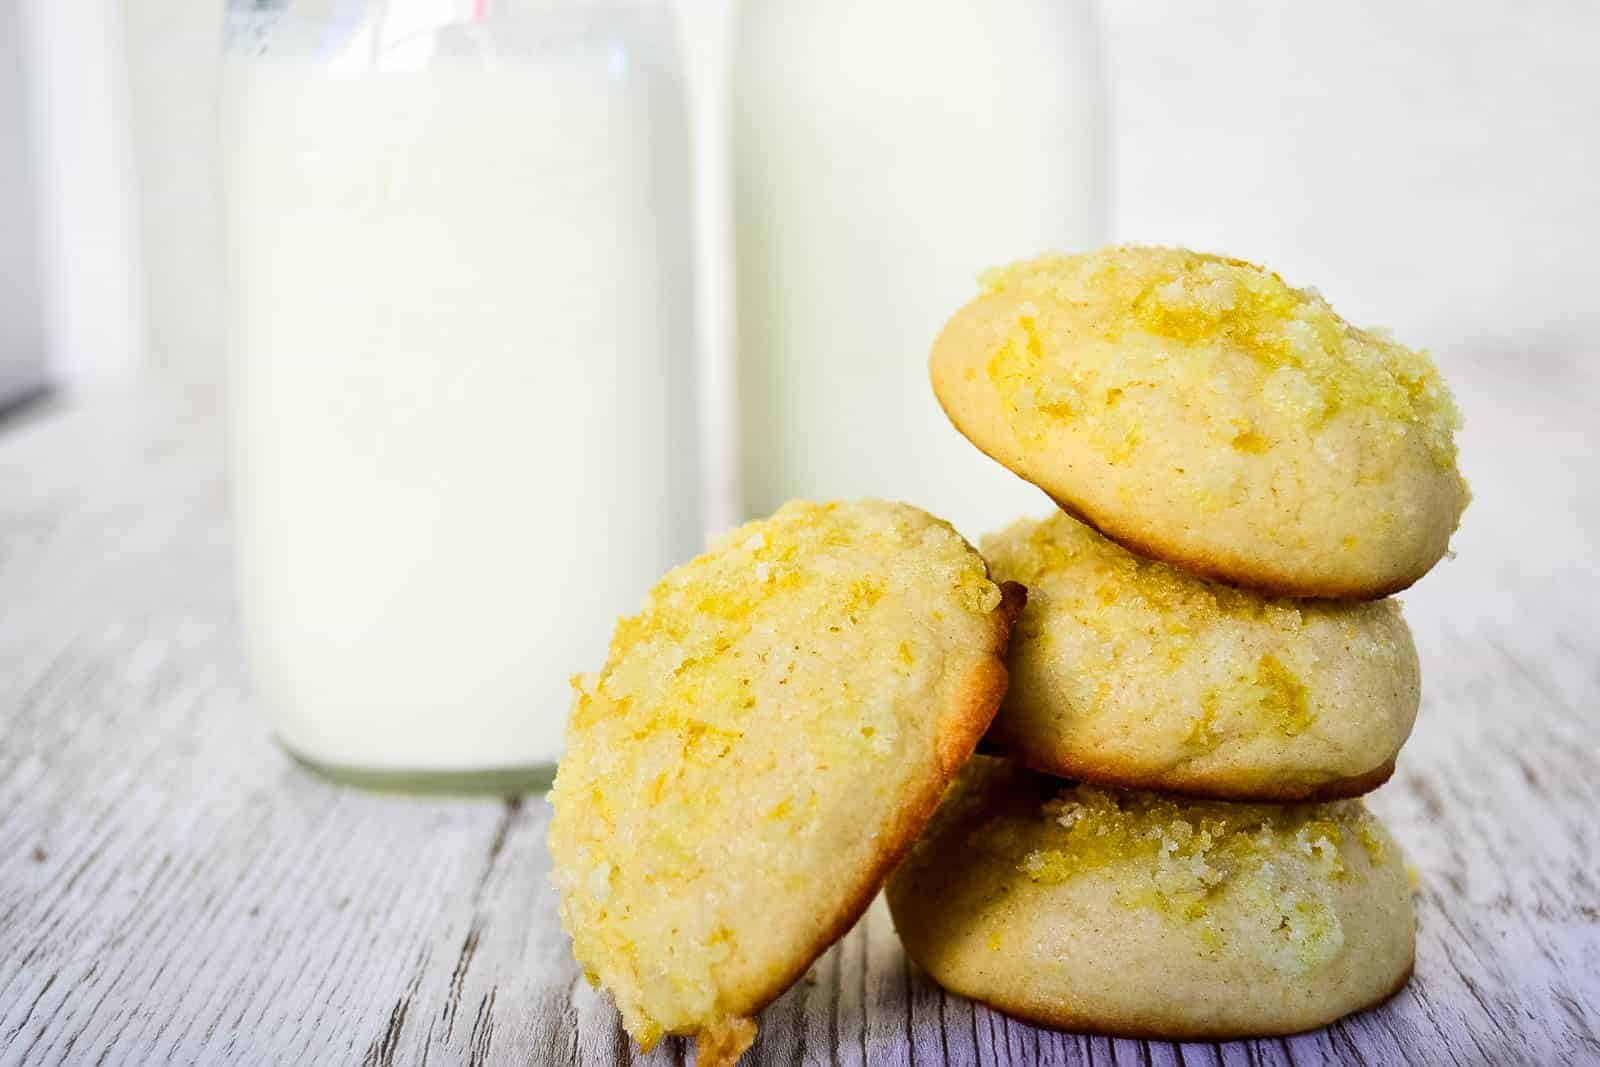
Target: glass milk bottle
(884, 153)
(461, 367)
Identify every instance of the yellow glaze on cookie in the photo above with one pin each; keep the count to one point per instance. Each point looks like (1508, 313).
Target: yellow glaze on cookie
(1189, 850)
(765, 738)
(1129, 672)
(1134, 913)
(1203, 411)
(1304, 361)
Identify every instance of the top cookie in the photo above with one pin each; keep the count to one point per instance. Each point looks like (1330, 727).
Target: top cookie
(1201, 411)
(766, 739)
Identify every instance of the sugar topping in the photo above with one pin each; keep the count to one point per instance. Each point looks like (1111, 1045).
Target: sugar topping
(1283, 861)
(1139, 617)
(1168, 315)
(800, 660)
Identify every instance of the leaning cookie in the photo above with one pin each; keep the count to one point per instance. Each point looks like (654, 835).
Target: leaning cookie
(1137, 915)
(766, 739)
(1127, 672)
(1200, 411)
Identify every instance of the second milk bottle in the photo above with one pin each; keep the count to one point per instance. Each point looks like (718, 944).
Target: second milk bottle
(885, 152)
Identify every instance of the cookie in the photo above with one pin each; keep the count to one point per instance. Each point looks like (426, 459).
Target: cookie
(1139, 915)
(766, 739)
(1200, 411)
(1128, 672)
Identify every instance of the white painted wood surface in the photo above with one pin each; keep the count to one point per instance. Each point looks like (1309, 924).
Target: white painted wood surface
(173, 890)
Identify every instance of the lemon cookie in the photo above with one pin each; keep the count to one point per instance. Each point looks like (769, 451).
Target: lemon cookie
(1140, 915)
(1127, 672)
(1201, 411)
(764, 742)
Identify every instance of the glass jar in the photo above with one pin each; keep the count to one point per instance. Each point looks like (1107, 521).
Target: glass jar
(461, 351)
(885, 152)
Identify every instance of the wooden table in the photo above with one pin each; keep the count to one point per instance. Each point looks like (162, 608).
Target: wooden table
(173, 890)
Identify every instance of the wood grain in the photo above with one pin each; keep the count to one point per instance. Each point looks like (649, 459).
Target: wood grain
(173, 890)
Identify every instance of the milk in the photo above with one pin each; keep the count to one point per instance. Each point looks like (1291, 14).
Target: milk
(462, 384)
(885, 151)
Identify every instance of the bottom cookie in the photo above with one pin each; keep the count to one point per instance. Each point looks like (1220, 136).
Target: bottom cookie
(1142, 915)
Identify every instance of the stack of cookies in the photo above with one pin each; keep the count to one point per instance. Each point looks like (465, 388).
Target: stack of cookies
(1206, 669)
(1180, 681)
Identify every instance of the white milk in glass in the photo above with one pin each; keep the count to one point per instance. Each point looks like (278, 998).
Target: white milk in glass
(885, 152)
(462, 374)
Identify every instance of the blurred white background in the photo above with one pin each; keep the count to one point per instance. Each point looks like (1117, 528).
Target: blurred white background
(1430, 166)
